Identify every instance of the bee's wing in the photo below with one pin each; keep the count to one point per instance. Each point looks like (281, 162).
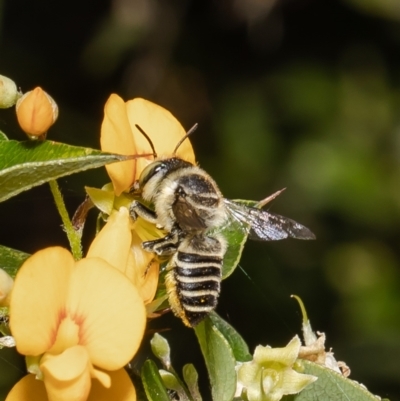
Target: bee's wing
(265, 226)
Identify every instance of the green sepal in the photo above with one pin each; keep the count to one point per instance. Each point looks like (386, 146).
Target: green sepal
(102, 198)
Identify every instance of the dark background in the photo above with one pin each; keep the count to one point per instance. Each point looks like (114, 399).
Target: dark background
(287, 93)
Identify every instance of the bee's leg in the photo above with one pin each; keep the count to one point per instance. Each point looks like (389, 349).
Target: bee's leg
(165, 246)
(137, 209)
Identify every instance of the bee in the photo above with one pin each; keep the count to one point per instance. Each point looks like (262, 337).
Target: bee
(189, 205)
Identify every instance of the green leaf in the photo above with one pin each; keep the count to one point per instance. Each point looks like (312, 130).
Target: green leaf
(235, 234)
(330, 386)
(239, 347)
(219, 360)
(11, 260)
(236, 237)
(24, 165)
(152, 382)
(3, 136)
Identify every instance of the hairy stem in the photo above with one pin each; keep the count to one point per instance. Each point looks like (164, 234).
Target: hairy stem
(74, 237)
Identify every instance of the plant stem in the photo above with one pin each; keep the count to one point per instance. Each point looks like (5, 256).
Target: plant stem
(74, 237)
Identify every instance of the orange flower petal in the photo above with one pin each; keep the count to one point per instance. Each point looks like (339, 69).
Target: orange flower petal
(114, 240)
(37, 299)
(121, 388)
(143, 270)
(67, 376)
(161, 126)
(136, 265)
(119, 134)
(150, 281)
(139, 260)
(110, 311)
(102, 377)
(28, 389)
(116, 137)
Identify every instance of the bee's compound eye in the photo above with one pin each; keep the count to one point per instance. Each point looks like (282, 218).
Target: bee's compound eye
(151, 170)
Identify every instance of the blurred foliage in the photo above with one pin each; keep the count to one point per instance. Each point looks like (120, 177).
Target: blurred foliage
(300, 94)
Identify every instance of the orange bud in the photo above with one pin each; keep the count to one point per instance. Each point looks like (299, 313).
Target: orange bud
(36, 112)
(8, 92)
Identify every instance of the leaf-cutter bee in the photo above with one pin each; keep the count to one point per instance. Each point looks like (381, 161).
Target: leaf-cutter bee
(190, 207)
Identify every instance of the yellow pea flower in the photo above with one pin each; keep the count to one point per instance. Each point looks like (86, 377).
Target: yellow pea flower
(119, 134)
(121, 389)
(139, 266)
(81, 320)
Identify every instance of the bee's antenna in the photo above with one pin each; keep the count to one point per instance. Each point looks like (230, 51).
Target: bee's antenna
(190, 132)
(148, 140)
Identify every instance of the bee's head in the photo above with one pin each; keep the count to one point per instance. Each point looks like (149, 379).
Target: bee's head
(153, 174)
(156, 171)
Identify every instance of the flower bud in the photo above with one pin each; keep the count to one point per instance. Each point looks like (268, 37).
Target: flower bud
(160, 348)
(170, 381)
(36, 113)
(6, 284)
(8, 92)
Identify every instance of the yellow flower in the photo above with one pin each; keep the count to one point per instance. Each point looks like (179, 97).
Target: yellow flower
(139, 266)
(121, 389)
(80, 320)
(36, 112)
(119, 134)
(270, 375)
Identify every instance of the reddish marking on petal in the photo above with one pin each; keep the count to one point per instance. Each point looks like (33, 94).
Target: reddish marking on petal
(62, 314)
(79, 319)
